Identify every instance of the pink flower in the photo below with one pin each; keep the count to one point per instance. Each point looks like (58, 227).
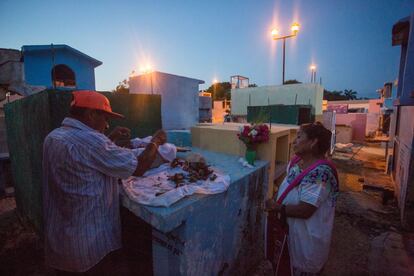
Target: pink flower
(254, 134)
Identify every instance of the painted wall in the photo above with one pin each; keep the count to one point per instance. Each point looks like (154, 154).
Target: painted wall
(38, 68)
(205, 113)
(369, 121)
(403, 167)
(343, 134)
(404, 163)
(3, 134)
(358, 123)
(375, 105)
(221, 234)
(393, 125)
(179, 97)
(180, 138)
(406, 73)
(372, 126)
(11, 70)
(308, 93)
(219, 110)
(12, 98)
(365, 106)
(371, 105)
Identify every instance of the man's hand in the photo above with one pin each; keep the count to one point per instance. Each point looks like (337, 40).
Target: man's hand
(120, 136)
(159, 137)
(146, 159)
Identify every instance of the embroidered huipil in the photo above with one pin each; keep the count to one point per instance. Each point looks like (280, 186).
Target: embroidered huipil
(81, 168)
(310, 239)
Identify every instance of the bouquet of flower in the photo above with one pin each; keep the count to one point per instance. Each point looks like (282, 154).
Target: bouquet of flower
(251, 135)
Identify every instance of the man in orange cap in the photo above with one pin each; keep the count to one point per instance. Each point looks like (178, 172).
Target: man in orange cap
(81, 168)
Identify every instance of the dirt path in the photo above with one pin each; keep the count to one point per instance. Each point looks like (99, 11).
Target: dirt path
(21, 251)
(367, 235)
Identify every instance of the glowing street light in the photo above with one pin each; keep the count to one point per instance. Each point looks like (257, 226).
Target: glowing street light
(295, 28)
(313, 73)
(275, 33)
(146, 69)
(275, 36)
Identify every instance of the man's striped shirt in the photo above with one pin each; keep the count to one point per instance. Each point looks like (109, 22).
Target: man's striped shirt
(81, 168)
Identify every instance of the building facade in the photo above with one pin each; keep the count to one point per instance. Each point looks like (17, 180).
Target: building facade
(363, 117)
(403, 156)
(292, 94)
(179, 97)
(58, 66)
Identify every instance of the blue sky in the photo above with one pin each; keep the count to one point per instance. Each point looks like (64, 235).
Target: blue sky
(348, 40)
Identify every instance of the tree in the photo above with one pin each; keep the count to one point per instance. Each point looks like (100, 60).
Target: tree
(350, 94)
(220, 91)
(253, 85)
(292, 82)
(333, 95)
(122, 87)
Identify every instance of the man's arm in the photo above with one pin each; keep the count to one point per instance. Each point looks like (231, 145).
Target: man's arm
(147, 157)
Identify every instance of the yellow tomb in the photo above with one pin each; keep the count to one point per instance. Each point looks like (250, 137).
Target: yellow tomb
(223, 138)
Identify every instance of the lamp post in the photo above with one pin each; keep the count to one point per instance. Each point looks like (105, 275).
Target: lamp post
(313, 73)
(275, 36)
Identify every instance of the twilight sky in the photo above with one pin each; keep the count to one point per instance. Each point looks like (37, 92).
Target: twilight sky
(348, 40)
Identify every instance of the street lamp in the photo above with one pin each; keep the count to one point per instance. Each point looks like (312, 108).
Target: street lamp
(147, 70)
(275, 35)
(313, 73)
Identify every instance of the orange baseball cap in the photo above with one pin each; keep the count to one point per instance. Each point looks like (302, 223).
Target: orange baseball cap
(93, 100)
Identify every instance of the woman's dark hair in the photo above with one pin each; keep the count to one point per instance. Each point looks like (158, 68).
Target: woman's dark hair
(320, 133)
